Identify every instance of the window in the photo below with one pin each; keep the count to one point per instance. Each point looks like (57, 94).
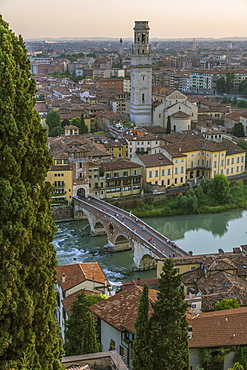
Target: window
(59, 161)
(192, 268)
(237, 159)
(231, 170)
(227, 171)
(191, 164)
(215, 164)
(228, 161)
(116, 174)
(150, 174)
(143, 98)
(198, 162)
(156, 173)
(162, 172)
(222, 162)
(177, 270)
(168, 171)
(168, 182)
(182, 180)
(112, 346)
(121, 348)
(182, 170)
(108, 175)
(176, 180)
(176, 170)
(65, 161)
(232, 160)
(125, 173)
(214, 173)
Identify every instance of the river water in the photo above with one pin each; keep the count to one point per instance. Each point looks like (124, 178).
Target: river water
(198, 233)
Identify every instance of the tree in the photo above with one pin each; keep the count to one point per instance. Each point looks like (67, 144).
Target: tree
(168, 125)
(243, 87)
(95, 298)
(76, 122)
(57, 131)
(169, 328)
(65, 122)
(238, 129)
(53, 119)
(141, 348)
(220, 188)
(29, 334)
(237, 366)
(234, 101)
(229, 81)
(226, 304)
(221, 85)
(80, 332)
(83, 126)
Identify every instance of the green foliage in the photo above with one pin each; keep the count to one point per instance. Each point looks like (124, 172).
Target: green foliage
(57, 131)
(243, 87)
(29, 334)
(225, 84)
(226, 304)
(220, 189)
(238, 130)
(169, 328)
(214, 355)
(234, 101)
(65, 122)
(141, 348)
(83, 126)
(240, 356)
(242, 103)
(76, 122)
(95, 298)
(237, 366)
(52, 119)
(80, 332)
(168, 125)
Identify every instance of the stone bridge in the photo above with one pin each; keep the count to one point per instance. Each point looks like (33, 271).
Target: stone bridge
(125, 231)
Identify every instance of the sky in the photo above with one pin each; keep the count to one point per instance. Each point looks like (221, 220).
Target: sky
(114, 18)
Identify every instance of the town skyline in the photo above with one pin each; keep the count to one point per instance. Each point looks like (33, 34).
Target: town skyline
(191, 19)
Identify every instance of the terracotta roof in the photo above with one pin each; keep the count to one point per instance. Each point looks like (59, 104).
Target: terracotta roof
(180, 115)
(121, 309)
(154, 160)
(78, 273)
(113, 163)
(219, 328)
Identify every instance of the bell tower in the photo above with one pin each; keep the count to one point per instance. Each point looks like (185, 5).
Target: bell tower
(141, 76)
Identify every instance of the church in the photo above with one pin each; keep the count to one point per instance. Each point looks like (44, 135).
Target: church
(160, 106)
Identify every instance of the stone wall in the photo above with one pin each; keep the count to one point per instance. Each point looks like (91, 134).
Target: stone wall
(62, 213)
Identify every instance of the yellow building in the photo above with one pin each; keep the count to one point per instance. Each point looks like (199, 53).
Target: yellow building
(60, 176)
(114, 177)
(117, 148)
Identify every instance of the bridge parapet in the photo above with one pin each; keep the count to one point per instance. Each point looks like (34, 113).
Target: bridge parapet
(125, 231)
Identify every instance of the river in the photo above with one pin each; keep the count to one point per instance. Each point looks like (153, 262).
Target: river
(198, 233)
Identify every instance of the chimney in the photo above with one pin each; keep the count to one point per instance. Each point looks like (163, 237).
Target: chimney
(190, 253)
(75, 260)
(138, 281)
(63, 277)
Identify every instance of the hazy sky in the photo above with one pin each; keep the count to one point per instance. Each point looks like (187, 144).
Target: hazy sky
(114, 18)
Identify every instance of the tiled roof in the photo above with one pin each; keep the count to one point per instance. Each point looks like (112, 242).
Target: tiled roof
(219, 328)
(78, 273)
(154, 160)
(180, 115)
(113, 163)
(121, 309)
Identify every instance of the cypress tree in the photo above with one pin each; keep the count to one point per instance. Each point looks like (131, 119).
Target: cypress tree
(141, 348)
(29, 335)
(168, 125)
(80, 331)
(169, 329)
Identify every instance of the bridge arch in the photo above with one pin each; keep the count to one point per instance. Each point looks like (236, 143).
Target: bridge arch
(79, 215)
(147, 262)
(99, 229)
(81, 192)
(121, 243)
